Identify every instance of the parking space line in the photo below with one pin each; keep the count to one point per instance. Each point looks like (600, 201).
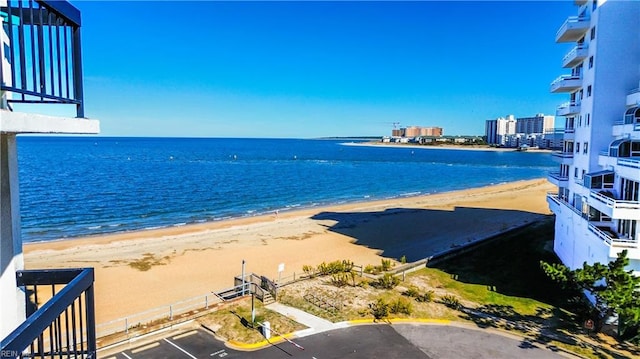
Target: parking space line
(138, 350)
(182, 350)
(184, 335)
(128, 357)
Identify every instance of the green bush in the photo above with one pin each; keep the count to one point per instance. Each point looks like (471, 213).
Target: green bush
(370, 269)
(401, 306)
(308, 270)
(334, 267)
(379, 309)
(426, 297)
(451, 301)
(386, 264)
(403, 259)
(411, 292)
(387, 281)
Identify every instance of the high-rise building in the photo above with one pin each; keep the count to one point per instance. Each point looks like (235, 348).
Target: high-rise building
(597, 204)
(497, 130)
(538, 124)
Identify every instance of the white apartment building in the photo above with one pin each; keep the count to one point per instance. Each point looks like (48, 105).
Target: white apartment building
(597, 204)
(499, 129)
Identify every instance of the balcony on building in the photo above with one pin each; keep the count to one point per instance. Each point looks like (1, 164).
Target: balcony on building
(60, 316)
(629, 125)
(573, 29)
(52, 311)
(624, 156)
(633, 97)
(563, 157)
(575, 56)
(566, 83)
(606, 233)
(558, 179)
(568, 109)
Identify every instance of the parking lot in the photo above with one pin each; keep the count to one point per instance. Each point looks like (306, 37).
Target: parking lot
(367, 341)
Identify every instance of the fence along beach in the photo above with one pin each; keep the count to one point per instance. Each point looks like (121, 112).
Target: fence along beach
(136, 271)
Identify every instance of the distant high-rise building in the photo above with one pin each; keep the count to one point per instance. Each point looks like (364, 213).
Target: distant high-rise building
(417, 131)
(537, 124)
(497, 130)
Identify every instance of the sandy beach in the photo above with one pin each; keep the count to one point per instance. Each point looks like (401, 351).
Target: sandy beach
(193, 260)
(443, 147)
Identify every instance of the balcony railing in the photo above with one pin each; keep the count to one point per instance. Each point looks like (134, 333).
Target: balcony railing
(568, 108)
(566, 83)
(575, 55)
(562, 201)
(611, 240)
(629, 162)
(44, 53)
(562, 154)
(614, 203)
(572, 29)
(64, 326)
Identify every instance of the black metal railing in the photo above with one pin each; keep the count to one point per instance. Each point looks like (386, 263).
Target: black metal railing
(43, 53)
(62, 326)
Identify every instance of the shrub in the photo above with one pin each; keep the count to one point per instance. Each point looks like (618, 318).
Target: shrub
(426, 297)
(308, 270)
(403, 259)
(369, 269)
(450, 301)
(379, 309)
(387, 281)
(401, 306)
(386, 264)
(412, 292)
(334, 267)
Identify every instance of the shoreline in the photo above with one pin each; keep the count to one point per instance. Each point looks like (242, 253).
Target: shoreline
(444, 147)
(136, 271)
(202, 227)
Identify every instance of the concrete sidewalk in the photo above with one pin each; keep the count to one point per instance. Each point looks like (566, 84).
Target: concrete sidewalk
(315, 324)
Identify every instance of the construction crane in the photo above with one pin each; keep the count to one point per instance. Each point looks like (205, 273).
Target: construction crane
(395, 125)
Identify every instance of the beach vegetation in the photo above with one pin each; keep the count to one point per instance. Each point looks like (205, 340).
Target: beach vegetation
(411, 292)
(379, 309)
(343, 279)
(309, 271)
(450, 301)
(148, 261)
(403, 259)
(234, 322)
(339, 266)
(387, 281)
(401, 306)
(386, 264)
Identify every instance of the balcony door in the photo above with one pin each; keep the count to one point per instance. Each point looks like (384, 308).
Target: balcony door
(630, 190)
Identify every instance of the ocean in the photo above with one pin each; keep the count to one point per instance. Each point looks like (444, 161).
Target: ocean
(80, 186)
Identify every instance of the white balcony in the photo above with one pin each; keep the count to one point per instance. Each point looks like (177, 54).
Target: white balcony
(565, 158)
(573, 29)
(616, 244)
(575, 56)
(628, 167)
(558, 179)
(566, 83)
(555, 205)
(568, 109)
(569, 134)
(633, 98)
(612, 207)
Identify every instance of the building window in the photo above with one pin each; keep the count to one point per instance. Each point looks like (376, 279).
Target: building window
(583, 173)
(575, 172)
(580, 121)
(590, 61)
(589, 91)
(594, 5)
(593, 33)
(577, 147)
(586, 148)
(588, 119)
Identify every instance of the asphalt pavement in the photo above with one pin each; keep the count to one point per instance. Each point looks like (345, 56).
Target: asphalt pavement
(362, 341)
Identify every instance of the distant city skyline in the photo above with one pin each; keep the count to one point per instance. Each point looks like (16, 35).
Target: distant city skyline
(316, 69)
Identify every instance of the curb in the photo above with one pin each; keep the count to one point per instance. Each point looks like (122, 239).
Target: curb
(259, 345)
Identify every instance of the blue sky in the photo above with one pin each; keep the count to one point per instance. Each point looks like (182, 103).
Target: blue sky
(313, 69)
